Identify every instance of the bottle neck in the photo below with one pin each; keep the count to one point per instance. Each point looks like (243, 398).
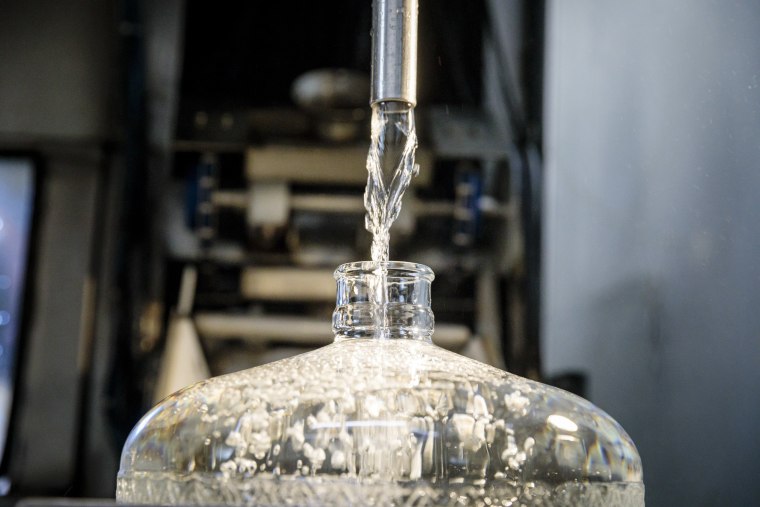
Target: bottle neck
(387, 300)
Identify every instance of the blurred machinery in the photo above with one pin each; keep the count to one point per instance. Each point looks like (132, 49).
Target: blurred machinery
(264, 197)
(267, 238)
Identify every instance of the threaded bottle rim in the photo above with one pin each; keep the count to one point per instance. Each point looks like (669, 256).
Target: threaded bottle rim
(398, 308)
(395, 269)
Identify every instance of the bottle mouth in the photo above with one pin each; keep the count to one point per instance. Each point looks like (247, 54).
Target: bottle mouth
(383, 300)
(393, 270)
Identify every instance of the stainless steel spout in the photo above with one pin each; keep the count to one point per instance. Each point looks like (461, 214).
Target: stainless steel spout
(394, 51)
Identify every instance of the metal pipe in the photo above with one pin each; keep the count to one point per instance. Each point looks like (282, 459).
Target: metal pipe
(394, 51)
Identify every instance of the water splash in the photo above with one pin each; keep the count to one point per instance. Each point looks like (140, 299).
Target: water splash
(390, 168)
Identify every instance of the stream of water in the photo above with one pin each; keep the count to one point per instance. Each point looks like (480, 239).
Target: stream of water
(391, 166)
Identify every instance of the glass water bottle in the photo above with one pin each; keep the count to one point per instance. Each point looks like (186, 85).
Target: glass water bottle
(381, 417)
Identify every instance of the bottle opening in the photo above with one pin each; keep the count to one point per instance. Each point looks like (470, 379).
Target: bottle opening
(387, 300)
(397, 269)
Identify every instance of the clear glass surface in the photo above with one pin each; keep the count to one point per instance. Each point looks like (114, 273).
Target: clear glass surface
(381, 416)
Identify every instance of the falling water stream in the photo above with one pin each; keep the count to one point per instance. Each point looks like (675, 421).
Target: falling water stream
(390, 164)
(390, 168)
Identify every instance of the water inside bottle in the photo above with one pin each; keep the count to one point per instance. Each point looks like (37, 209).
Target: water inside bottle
(353, 424)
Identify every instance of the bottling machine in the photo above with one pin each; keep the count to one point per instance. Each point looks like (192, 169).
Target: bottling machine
(238, 172)
(265, 188)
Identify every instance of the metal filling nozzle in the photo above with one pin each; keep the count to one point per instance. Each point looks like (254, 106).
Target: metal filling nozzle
(394, 51)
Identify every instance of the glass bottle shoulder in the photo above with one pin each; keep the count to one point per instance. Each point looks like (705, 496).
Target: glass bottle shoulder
(365, 409)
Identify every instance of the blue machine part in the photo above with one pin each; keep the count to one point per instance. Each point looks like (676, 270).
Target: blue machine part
(468, 191)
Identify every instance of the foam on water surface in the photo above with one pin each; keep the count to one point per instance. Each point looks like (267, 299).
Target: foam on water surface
(332, 492)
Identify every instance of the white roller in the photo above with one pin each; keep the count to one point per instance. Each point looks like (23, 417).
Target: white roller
(299, 330)
(288, 284)
(268, 204)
